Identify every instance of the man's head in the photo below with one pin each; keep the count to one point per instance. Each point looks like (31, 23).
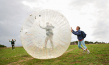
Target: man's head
(77, 28)
(12, 39)
(50, 24)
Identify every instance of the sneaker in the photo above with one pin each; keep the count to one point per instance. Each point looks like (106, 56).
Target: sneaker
(84, 50)
(88, 51)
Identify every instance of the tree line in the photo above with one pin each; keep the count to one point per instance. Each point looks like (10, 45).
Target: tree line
(88, 42)
(2, 45)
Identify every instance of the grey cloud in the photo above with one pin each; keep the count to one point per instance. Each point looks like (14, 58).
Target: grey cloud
(79, 3)
(101, 4)
(12, 16)
(101, 31)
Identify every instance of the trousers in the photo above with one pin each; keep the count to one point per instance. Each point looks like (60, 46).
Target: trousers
(83, 43)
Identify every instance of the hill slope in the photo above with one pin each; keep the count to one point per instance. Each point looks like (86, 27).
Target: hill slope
(99, 55)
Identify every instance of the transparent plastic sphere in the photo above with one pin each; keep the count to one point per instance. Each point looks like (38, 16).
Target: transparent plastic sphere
(45, 34)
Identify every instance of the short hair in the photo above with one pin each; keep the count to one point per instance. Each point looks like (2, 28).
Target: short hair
(78, 27)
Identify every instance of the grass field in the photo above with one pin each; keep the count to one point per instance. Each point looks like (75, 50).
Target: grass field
(73, 56)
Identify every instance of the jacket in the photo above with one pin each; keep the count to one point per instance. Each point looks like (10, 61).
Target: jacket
(79, 35)
(12, 42)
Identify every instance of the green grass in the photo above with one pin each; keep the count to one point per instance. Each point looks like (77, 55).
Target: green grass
(73, 56)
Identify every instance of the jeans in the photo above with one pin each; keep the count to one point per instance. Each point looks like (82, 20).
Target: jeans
(13, 46)
(83, 43)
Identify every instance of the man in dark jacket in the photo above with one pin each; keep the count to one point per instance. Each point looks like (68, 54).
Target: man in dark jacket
(80, 39)
(12, 43)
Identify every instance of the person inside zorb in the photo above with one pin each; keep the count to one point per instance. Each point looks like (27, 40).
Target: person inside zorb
(49, 34)
(45, 34)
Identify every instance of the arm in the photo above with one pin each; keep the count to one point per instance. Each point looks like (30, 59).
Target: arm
(14, 40)
(76, 33)
(52, 27)
(42, 27)
(9, 41)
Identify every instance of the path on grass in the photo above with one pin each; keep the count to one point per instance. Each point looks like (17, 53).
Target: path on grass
(69, 51)
(17, 63)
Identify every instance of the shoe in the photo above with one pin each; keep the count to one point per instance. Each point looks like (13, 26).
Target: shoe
(88, 51)
(84, 50)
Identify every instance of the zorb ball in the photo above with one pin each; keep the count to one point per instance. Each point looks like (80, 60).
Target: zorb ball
(45, 34)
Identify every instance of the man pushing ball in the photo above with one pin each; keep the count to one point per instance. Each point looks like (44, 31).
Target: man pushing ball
(80, 35)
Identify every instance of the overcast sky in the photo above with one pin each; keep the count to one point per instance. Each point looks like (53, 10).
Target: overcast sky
(91, 15)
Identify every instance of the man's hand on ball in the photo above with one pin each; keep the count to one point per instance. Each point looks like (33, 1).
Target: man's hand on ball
(71, 29)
